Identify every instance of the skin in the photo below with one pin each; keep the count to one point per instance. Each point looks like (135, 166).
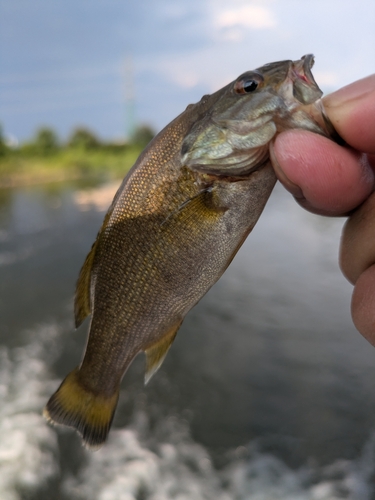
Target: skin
(333, 180)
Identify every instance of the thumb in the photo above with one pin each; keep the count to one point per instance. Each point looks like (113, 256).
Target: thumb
(325, 178)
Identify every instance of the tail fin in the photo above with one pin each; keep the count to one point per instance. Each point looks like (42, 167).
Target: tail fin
(90, 414)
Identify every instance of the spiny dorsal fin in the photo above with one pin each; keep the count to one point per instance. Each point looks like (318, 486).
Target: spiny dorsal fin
(82, 299)
(155, 354)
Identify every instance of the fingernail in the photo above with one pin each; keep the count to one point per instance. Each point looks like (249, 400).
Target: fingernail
(283, 178)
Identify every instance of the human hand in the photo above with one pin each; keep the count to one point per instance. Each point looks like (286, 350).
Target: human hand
(329, 179)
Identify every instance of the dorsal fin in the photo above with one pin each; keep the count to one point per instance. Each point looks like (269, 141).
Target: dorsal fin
(82, 302)
(82, 299)
(155, 354)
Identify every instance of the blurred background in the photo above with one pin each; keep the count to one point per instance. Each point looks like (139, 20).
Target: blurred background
(268, 390)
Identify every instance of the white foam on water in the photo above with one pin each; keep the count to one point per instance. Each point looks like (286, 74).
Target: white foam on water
(126, 470)
(140, 463)
(28, 447)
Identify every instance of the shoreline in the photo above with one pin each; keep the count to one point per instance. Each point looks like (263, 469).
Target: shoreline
(18, 170)
(25, 179)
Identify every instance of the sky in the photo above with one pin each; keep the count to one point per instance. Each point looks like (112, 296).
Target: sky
(97, 63)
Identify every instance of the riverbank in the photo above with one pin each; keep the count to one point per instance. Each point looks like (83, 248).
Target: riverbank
(17, 169)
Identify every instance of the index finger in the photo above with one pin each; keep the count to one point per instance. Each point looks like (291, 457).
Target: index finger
(352, 112)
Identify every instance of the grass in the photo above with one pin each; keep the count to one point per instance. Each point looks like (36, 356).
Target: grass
(18, 168)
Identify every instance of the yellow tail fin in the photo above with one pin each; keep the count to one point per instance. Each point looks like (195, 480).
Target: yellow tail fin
(90, 414)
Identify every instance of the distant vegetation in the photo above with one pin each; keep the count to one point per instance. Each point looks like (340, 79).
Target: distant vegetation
(45, 158)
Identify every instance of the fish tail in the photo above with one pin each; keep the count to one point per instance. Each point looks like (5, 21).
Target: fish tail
(75, 406)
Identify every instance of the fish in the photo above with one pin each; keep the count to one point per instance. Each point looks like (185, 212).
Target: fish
(175, 224)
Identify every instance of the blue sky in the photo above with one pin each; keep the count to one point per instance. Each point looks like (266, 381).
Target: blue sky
(62, 62)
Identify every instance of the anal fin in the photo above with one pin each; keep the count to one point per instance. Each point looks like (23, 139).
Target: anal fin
(156, 353)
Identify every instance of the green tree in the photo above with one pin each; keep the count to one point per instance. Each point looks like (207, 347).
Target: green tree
(46, 141)
(83, 138)
(142, 135)
(3, 146)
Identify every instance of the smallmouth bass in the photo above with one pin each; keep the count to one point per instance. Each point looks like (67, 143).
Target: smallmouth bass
(175, 224)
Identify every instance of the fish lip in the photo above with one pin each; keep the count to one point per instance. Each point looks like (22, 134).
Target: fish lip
(305, 88)
(301, 69)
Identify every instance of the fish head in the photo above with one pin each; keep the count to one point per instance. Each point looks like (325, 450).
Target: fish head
(231, 137)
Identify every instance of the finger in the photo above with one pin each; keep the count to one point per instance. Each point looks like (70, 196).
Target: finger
(352, 112)
(363, 304)
(325, 178)
(357, 250)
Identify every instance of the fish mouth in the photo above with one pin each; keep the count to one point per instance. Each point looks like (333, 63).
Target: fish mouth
(306, 91)
(302, 69)
(305, 88)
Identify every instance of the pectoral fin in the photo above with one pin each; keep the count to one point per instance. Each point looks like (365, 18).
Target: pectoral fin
(156, 353)
(198, 201)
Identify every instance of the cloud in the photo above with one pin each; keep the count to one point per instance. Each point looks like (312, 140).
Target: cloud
(196, 69)
(247, 16)
(185, 79)
(222, 23)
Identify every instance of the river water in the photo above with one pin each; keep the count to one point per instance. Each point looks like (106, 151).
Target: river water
(267, 392)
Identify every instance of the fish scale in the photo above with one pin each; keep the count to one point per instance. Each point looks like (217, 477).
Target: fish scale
(175, 224)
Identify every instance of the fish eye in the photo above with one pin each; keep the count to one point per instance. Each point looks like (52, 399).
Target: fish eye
(250, 85)
(247, 85)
